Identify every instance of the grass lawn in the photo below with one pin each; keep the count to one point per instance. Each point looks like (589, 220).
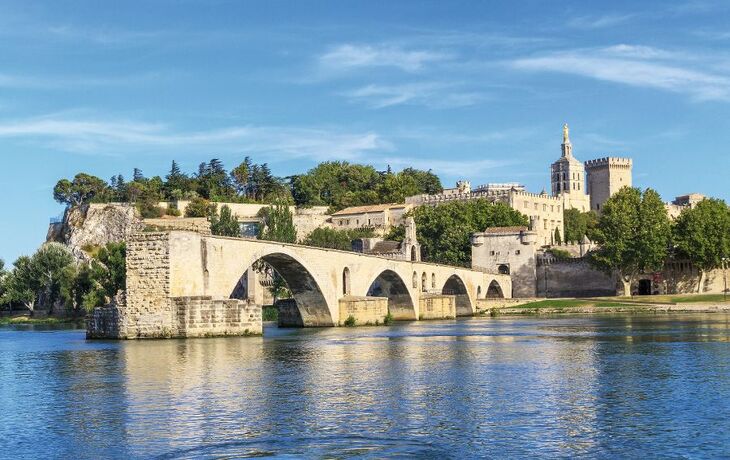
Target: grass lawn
(5, 320)
(670, 298)
(571, 303)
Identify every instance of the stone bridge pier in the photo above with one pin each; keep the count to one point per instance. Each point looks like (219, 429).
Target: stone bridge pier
(184, 284)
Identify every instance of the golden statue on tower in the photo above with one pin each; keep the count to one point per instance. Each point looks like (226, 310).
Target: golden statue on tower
(566, 138)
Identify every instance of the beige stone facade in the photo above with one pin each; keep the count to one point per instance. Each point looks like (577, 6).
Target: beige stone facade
(607, 176)
(567, 178)
(380, 217)
(510, 251)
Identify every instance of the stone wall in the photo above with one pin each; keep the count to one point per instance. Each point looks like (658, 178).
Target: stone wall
(435, 306)
(194, 224)
(365, 310)
(289, 315)
(204, 316)
(572, 278)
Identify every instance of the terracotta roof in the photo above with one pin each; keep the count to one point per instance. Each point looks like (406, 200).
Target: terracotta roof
(505, 229)
(369, 208)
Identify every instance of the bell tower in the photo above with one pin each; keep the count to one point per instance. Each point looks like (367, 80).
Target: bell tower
(567, 176)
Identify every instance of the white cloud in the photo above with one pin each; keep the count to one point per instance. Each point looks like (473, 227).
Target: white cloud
(119, 137)
(430, 94)
(347, 56)
(599, 22)
(634, 66)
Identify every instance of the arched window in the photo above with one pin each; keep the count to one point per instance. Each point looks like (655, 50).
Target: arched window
(479, 291)
(413, 254)
(346, 281)
(423, 282)
(415, 280)
(503, 269)
(433, 280)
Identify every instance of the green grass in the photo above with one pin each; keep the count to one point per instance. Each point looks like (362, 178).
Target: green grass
(570, 303)
(6, 321)
(670, 298)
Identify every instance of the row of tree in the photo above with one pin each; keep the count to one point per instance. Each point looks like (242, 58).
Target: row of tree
(337, 184)
(53, 279)
(636, 236)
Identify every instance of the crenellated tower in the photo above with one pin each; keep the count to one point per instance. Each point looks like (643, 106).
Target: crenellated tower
(607, 176)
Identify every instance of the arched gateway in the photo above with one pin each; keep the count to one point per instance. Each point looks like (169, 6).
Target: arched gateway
(180, 284)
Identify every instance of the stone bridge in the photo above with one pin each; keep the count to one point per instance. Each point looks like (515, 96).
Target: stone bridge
(183, 283)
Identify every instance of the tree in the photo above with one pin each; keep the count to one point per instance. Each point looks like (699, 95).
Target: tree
(37, 279)
(444, 231)
(634, 235)
(702, 235)
(3, 277)
(556, 237)
(95, 283)
(241, 176)
(337, 184)
(278, 224)
(84, 188)
(578, 224)
(226, 224)
(331, 238)
(137, 175)
(214, 183)
(199, 207)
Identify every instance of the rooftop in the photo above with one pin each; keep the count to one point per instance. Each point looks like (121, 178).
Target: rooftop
(370, 208)
(516, 229)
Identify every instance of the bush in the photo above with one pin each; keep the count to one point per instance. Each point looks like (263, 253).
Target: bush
(350, 321)
(269, 314)
(336, 239)
(559, 253)
(199, 207)
(388, 319)
(150, 210)
(173, 211)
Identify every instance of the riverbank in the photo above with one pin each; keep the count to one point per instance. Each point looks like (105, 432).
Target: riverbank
(604, 305)
(20, 320)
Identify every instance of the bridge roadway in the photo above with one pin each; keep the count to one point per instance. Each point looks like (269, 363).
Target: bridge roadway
(214, 266)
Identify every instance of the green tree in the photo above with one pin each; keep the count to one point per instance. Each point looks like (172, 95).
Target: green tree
(278, 224)
(396, 233)
(394, 188)
(634, 235)
(3, 280)
(331, 238)
(578, 224)
(241, 176)
(444, 231)
(214, 183)
(225, 224)
(702, 235)
(84, 188)
(556, 237)
(36, 280)
(199, 207)
(337, 184)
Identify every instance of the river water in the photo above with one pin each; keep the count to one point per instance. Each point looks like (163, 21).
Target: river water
(601, 386)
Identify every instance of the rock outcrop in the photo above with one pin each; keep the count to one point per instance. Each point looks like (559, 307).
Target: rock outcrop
(95, 224)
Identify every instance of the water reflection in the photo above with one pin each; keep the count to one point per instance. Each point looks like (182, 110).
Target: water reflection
(590, 386)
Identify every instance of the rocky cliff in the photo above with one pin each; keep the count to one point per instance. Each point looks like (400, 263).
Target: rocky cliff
(95, 225)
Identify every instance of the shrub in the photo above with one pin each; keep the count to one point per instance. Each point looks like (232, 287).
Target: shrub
(350, 321)
(150, 210)
(559, 253)
(199, 207)
(388, 319)
(173, 211)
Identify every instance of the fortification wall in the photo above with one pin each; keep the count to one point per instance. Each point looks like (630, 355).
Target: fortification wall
(365, 310)
(573, 279)
(194, 224)
(436, 306)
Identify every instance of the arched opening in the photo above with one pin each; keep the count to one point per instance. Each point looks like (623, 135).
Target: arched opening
(456, 287)
(389, 284)
(479, 292)
(424, 286)
(413, 254)
(415, 280)
(433, 280)
(503, 269)
(494, 291)
(346, 281)
(307, 306)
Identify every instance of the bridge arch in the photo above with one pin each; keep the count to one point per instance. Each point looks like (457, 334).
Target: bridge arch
(455, 286)
(494, 291)
(400, 303)
(311, 305)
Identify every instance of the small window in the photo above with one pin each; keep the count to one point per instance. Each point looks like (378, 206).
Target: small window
(517, 252)
(491, 253)
(535, 206)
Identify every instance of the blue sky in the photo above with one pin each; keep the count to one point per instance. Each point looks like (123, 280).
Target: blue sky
(475, 90)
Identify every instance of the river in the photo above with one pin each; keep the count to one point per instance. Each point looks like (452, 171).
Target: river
(591, 386)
